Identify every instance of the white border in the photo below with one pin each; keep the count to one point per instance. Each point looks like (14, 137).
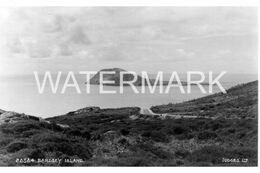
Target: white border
(129, 2)
(133, 3)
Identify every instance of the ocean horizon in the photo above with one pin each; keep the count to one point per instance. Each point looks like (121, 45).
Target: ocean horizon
(19, 93)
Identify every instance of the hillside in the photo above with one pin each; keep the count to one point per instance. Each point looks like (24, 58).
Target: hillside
(123, 137)
(239, 102)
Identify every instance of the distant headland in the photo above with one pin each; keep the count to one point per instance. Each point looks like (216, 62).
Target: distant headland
(113, 75)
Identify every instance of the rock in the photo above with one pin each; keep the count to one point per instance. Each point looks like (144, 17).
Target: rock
(87, 110)
(10, 117)
(13, 117)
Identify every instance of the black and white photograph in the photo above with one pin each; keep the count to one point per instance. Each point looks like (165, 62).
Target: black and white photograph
(128, 86)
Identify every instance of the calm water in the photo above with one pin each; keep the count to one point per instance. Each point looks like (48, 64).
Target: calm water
(20, 94)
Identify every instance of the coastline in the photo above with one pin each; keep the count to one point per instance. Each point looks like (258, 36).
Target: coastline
(128, 137)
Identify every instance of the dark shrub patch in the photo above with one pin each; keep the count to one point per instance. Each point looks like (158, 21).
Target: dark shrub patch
(124, 132)
(123, 141)
(82, 150)
(20, 127)
(36, 154)
(146, 134)
(184, 136)
(216, 126)
(179, 130)
(30, 133)
(206, 135)
(182, 153)
(51, 126)
(241, 135)
(49, 137)
(73, 132)
(156, 151)
(5, 141)
(159, 136)
(231, 130)
(16, 146)
(85, 134)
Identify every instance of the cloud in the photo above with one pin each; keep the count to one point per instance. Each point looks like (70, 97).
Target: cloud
(128, 34)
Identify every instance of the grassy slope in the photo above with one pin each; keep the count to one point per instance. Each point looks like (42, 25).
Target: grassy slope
(239, 102)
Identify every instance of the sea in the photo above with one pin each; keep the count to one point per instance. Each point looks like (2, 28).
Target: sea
(19, 93)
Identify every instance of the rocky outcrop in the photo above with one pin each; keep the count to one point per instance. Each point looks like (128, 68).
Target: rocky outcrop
(90, 109)
(1, 111)
(13, 117)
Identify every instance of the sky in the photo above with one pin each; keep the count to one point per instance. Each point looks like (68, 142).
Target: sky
(133, 38)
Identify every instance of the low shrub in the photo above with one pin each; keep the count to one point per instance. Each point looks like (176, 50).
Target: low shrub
(16, 146)
(4, 141)
(20, 127)
(85, 134)
(155, 151)
(124, 132)
(31, 132)
(182, 153)
(157, 136)
(206, 135)
(179, 130)
(49, 137)
(123, 141)
(51, 126)
(36, 154)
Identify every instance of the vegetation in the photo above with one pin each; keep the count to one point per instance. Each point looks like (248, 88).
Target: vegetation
(110, 137)
(239, 102)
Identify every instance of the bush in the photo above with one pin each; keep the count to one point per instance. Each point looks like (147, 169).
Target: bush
(59, 144)
(182, 153)
(76, 132)
(179, 130)
(5, 141)
(73, 132)
(146, 134)
(124, 132)
(123, 141)
(29, 133)
(36, 154)
(156, 151)
(157, 136)
(51, 126)
(20, 127)
(16, 146)
(216, 126)
(85, 134)
(206, 135)
(49, 137)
